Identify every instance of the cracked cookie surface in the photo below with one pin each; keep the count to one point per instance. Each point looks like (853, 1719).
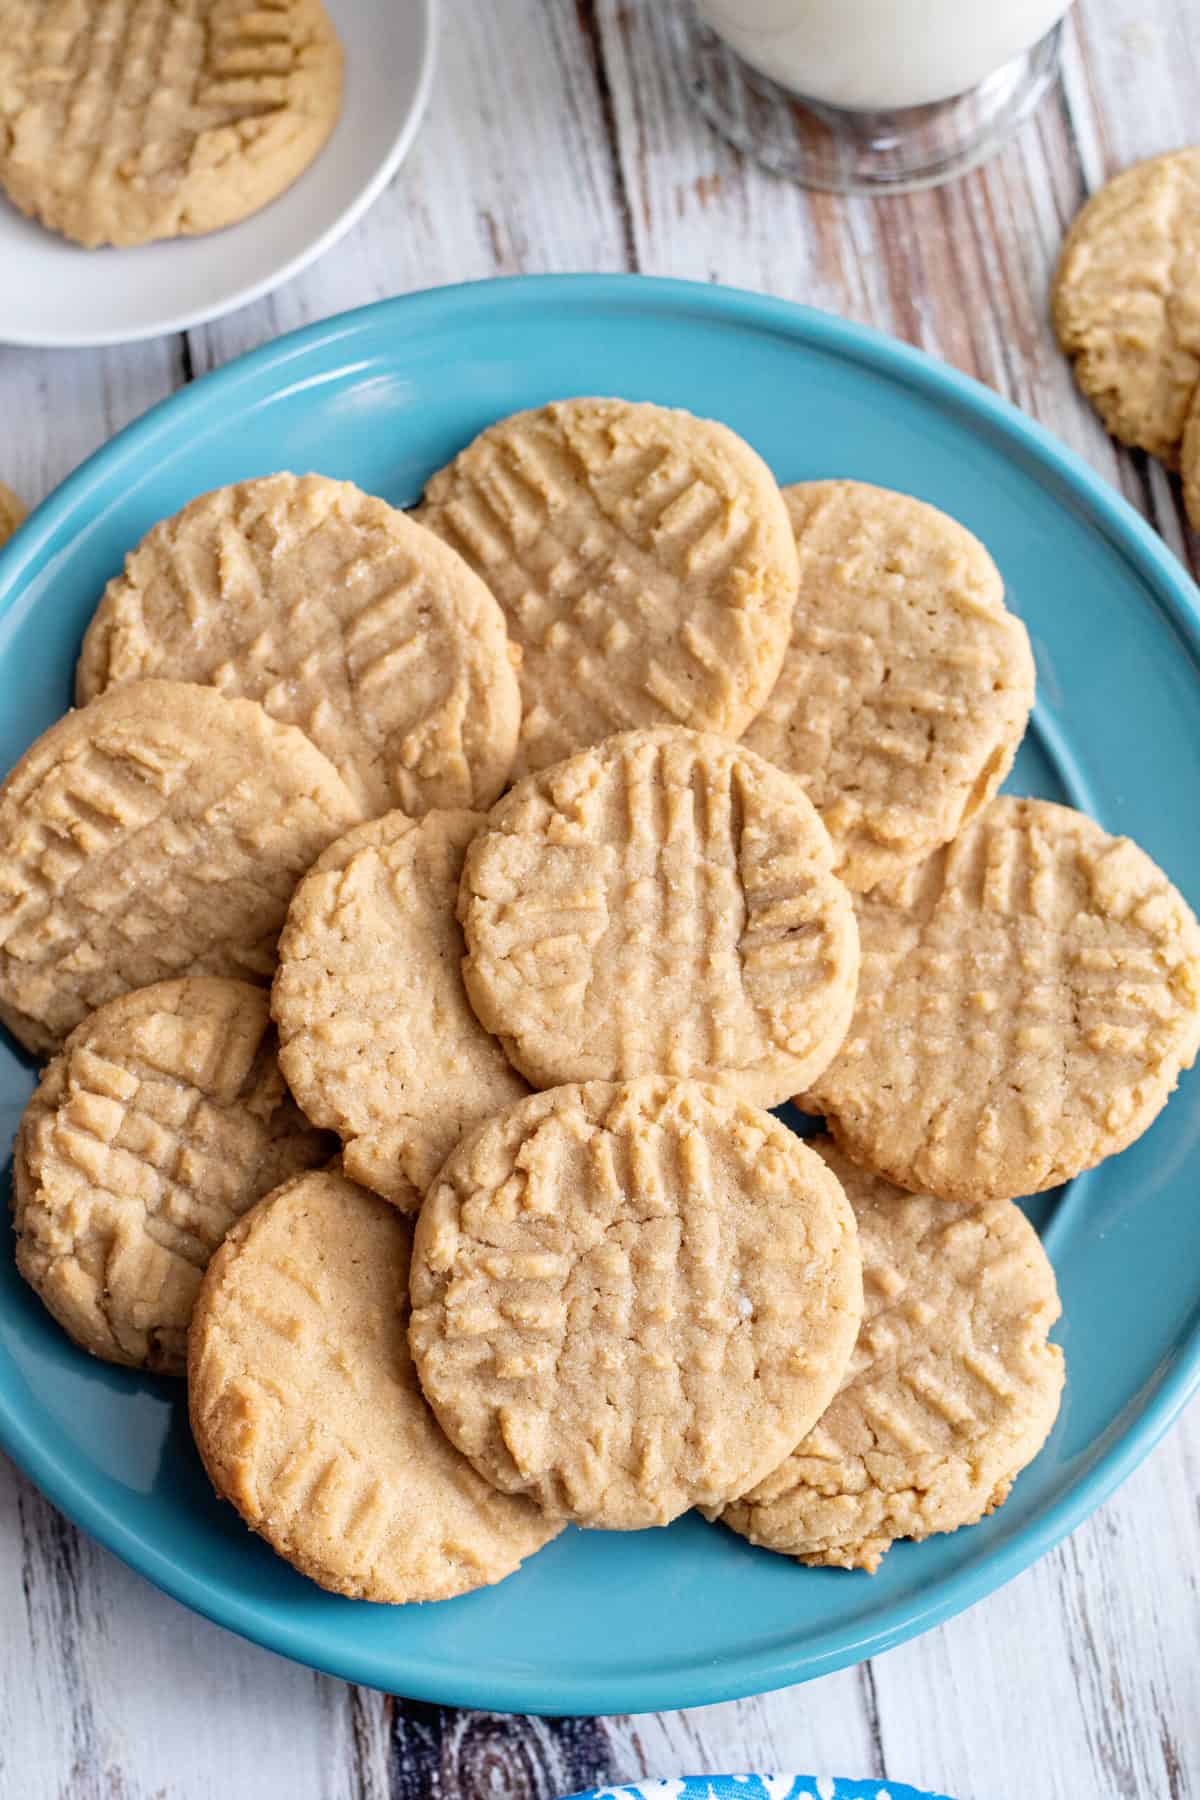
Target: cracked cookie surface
(153, 834)
(307, 1412)
(907, 683)
(632, 1299)
(663, 903)
(337, 614)
(951, 1391)
(1027, 1000)
(644, 561)
(1126, 301)
(162, 1120)
(160, 831)
(377, 1036)
(123, 121)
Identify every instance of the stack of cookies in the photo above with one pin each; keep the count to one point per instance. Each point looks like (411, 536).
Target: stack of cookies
(608, 801)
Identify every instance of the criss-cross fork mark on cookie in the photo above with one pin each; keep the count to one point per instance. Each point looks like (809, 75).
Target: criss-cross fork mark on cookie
(162, 1120)
(664, 902)
(950, 1392)
(159, 831)
(338, 615)
(906, 684)
(626, 1297)
(643, 562)
(307, 1411)
(125, 120)
(1125, 302)
(1026, 1001)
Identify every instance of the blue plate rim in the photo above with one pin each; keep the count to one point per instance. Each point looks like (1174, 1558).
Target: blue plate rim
(753, 1671)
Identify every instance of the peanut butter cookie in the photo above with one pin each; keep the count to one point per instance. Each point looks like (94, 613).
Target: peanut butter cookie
(12, 512)
(644, 562)
(907, 684)
(662, 903)
(164, 1118)
(378, 1039)
(1028, 998)
(338, 615)
(307, 1412)
(633, 1299)
(951, 1391)
(1126, 300)
(158, 832)
(122, 121)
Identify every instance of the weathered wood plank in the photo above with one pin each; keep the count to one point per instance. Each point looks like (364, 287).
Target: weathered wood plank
(109, 1688)
(512, 173)
(69, 402)
(110, 1691)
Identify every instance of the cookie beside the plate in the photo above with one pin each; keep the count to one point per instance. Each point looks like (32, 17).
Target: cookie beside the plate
(12, 512)
(123, 121)
(1126, 300)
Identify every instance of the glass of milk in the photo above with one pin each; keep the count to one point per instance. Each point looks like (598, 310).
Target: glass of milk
(871, 95)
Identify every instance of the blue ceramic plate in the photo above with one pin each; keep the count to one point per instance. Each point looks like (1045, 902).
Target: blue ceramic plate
(609, 1623)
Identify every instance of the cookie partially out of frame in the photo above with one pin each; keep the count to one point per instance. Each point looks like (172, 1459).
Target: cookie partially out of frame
(122, 121)
(1126, 300)
(164, 1118)
(1028, 998)
(306, 1409)
(158, 832)
(12, 511)
(951, 1391)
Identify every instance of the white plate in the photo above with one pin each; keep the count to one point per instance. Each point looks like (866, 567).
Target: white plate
(55, 293)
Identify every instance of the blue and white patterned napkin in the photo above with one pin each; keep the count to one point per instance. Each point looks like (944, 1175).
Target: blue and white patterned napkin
(758, 1787)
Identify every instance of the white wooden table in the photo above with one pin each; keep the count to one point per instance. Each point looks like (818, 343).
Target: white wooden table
(560, 138)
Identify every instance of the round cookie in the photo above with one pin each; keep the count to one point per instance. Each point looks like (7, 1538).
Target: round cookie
(307, 1413)
(158, 832)
(664, 903)
(1027, 1000)
(338, 615)
(162, 1120)
(12, 512)
(644, 562)
(632, 1299)
(951, 1391)
(122, 121)
(1126, 300)
(907, 684)
(378, 1039)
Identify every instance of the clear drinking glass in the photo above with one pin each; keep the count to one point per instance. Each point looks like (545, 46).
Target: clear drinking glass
(870, 96)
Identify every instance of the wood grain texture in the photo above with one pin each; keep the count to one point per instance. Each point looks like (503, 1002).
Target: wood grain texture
(560, 136)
